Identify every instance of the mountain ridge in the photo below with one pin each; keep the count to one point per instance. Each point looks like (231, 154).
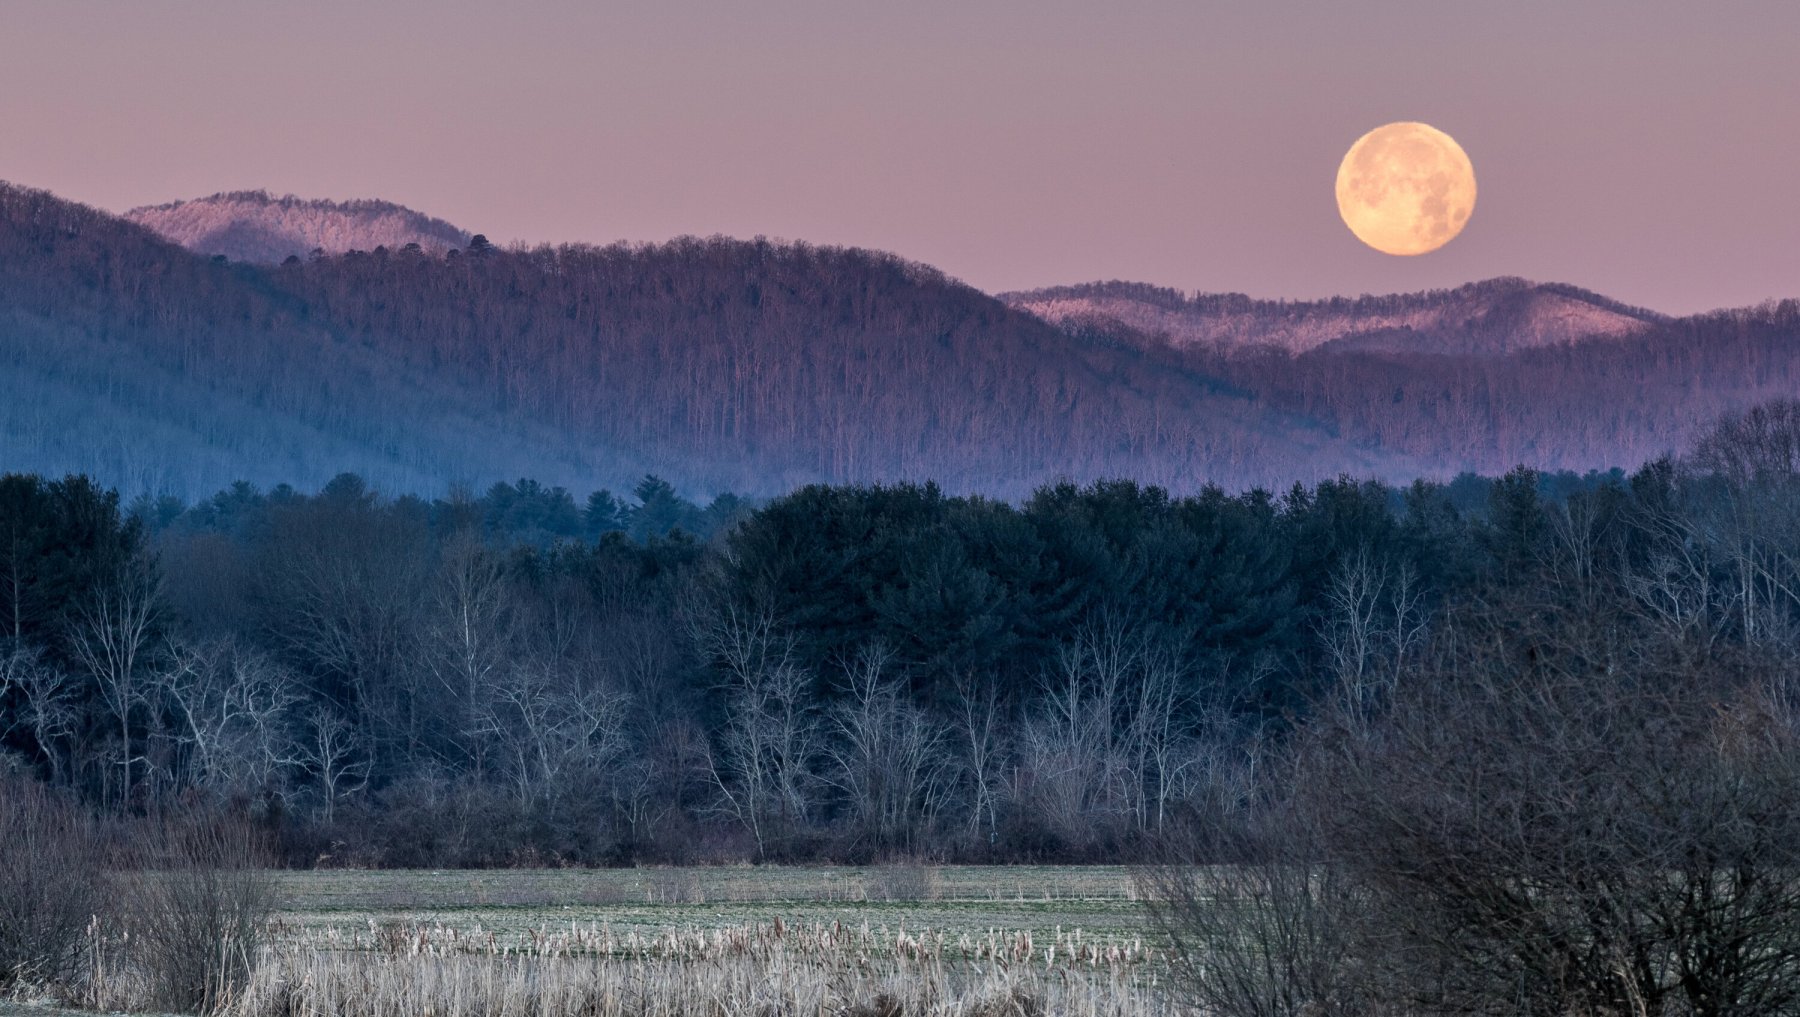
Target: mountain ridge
(760, 367)
(739, 365)
(1489, 317)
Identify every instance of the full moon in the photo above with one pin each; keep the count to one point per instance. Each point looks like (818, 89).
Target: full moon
(1406, 188)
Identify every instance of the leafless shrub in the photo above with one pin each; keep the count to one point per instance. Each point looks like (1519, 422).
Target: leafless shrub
(1561, 817)
(674, 886)
(195, 907)
(901, 881)
(1273, 932)
(49, 883)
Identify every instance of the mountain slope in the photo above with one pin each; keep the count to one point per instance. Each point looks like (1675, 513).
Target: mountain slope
(128, 358)
(254, 226)
(1492, 318)
(759, 367)
(718, 364)
(1482, 377)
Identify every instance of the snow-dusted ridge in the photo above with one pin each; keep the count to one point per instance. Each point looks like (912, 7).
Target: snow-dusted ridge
(1491, 318)
(256, 226)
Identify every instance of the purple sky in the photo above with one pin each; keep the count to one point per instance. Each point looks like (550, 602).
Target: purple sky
(1647, 149)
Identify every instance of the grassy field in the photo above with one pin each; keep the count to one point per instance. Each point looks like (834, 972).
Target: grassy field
(768, 942)
(1101, 901)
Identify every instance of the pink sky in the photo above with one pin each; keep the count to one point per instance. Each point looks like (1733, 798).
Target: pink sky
(1647, 149)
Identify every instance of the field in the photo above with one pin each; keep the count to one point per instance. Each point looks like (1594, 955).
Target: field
(871, 942)
(956, 899)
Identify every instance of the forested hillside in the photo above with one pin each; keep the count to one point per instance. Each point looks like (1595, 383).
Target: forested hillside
(1559, 406)
(1478, 378)
(758, 367)
(746, 366)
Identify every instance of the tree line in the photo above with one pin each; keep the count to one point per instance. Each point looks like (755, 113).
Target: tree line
(843, 672)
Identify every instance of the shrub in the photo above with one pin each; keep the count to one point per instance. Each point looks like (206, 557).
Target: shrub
(900, 881)
(49, 883)
(196, 906)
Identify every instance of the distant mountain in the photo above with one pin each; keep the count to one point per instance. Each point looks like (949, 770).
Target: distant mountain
(254, 226)
(758, 367)
(1489, 318)
(720, 365)
(1481, 377)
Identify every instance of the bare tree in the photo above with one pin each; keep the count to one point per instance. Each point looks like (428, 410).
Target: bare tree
(333, 754)
(468, 639)
(887, 756)
(1758, 444)
(1160, 749)
(1373, 621)
(111, 638)
(982, 739)
(1560, 818)
(1072, 764)
(763, 765)
(1676, 583)
(547, 729)
(340, 592)
(49, 714)
(233, 713)
(1752, 516)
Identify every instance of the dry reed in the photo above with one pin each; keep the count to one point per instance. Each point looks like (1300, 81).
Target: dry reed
(769, 969)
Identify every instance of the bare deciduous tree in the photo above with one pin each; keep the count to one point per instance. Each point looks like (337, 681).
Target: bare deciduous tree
(546, 729)
(468, 639)
(762, 768)
(49, 713)
(887, 756)
(982, 739)
(1562, 818)
(332, 753)
(111, 638)
(233, 713)
(1374, 621)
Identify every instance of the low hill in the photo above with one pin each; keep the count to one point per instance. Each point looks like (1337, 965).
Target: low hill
(1491, 318)
(254, 226)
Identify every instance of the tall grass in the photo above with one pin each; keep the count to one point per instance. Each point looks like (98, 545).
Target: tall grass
(763, 970)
